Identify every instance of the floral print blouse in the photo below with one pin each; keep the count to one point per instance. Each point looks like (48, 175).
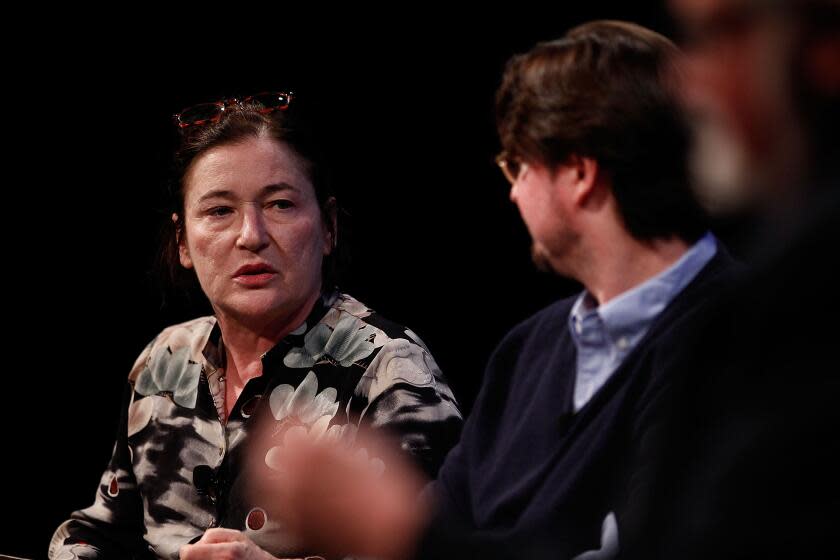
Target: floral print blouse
(175, 467)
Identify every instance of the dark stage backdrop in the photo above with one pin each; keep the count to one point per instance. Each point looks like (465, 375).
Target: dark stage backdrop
(408, 110)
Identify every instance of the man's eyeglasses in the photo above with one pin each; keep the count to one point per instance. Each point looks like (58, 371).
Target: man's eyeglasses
(205, 113)
(511, 167)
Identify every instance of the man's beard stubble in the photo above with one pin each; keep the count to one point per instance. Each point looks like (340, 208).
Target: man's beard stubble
(541, 258)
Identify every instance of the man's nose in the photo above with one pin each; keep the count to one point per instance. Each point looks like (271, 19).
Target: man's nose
(514, 190)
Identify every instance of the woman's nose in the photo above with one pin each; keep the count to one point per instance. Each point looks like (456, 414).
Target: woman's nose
(252, 233)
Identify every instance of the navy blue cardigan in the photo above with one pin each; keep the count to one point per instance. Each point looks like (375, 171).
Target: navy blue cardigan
(530, 479)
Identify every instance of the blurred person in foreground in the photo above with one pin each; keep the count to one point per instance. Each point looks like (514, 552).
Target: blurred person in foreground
(254, 226)
(595, 149)
(750, 450)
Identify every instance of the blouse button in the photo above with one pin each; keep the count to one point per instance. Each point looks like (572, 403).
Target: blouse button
(255, 519)
(250, 406)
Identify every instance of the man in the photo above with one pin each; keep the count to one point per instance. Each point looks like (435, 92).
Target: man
(751, 454)
(594, 148)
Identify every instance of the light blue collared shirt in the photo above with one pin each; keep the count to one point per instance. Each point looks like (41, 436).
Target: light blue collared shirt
(605, 335)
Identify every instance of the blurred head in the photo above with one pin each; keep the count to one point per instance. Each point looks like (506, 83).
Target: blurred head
(762, 85)
(600, 94)
(253, 220)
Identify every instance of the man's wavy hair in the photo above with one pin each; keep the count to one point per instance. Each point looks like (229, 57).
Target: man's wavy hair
(603, 91)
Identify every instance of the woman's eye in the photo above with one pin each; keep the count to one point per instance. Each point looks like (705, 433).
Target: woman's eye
(219, 211)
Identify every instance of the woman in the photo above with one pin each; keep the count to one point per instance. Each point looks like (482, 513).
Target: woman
(255, 221)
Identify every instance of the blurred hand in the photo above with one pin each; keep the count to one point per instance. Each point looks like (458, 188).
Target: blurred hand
(225, 544)
(360, 500)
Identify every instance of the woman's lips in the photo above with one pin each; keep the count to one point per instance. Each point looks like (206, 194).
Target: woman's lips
(254, 280)
(254, 268)
(254, 274)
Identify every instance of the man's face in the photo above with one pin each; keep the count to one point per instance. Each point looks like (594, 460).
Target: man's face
(544, 202)
(736, 89)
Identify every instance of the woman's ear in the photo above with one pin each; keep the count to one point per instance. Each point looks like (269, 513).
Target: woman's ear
(183, 250)
(330, 217)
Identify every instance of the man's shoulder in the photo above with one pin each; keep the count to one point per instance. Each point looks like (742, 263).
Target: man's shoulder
(702, 296)
(551, 318)
(541, 330)
(721, 269)
(673, 336)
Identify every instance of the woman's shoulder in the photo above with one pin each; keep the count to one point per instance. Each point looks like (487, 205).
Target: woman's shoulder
(347, 309)
(185, 341)
(357, 334)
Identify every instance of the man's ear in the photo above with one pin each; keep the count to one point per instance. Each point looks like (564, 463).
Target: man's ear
(183, 250)
(585, 178)
(330, 217)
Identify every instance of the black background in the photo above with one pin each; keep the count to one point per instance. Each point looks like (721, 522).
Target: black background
(408, 106)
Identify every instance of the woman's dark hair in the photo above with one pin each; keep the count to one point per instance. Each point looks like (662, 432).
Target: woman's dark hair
(602, 91)
(291, 127)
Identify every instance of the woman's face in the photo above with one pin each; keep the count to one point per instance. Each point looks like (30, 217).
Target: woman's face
(254, 232)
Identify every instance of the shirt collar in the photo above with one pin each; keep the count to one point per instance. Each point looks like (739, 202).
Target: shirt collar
(627, 316)
(214, 349)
